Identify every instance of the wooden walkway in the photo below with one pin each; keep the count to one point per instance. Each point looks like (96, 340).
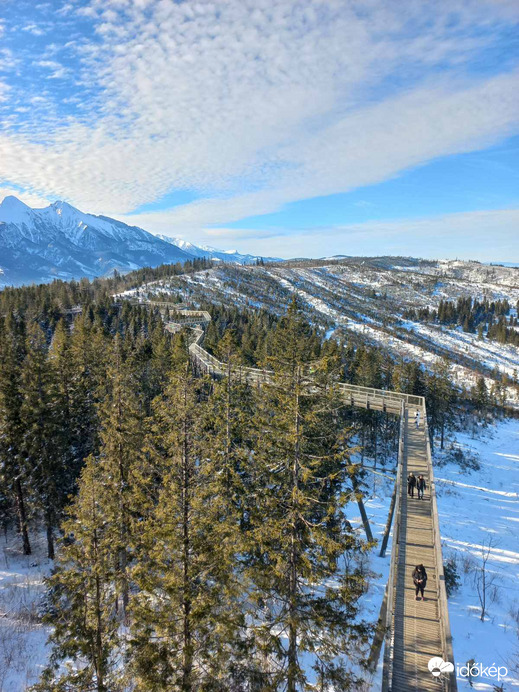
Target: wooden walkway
(416, 631)
(416, 625)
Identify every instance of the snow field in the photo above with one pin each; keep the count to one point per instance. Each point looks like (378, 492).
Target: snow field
(23, 650)
(479, 514)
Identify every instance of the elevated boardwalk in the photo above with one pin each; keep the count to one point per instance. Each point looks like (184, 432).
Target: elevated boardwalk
(418, 630)
(415, 631)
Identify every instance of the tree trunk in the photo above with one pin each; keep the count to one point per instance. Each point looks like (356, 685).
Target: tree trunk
(364, 516)
(187, 663)
(99, 640)
(50, 536)
(123, 552)
(98, 657)
(22, 518)
(292, 627)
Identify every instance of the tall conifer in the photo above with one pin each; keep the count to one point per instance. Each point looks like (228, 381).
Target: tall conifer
(12, 465)
(83, 614)
(184, 618)
(305, 604)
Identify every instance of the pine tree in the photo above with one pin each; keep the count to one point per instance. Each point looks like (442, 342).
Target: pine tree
(185, 614)
(83, 614)
(302, 470)
(12, 466)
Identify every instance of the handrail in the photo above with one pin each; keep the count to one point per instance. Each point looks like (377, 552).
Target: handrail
(445, 629)
(386, 393)
(187, 317)
(391, 581)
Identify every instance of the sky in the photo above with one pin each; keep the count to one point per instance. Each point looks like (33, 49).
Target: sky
(279, 127)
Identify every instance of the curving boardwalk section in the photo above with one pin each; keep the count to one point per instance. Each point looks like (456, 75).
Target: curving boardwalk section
(415, 631)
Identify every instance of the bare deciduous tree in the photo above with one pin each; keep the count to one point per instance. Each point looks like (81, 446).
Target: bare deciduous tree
(485, 581)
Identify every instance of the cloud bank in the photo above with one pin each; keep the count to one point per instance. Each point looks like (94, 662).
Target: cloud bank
(251, 104)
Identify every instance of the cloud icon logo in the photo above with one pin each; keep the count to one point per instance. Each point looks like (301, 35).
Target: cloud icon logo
(437, 666)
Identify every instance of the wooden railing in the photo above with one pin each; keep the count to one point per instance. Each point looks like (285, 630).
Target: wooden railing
(450, 684)
(391, 581)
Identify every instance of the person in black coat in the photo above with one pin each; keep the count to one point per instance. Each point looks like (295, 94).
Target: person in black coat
(419, 580)
(411, 484)
(420, 486)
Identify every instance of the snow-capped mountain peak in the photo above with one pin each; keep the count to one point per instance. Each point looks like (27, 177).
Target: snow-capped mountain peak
(13, 210)
(214, 253)
(60, 241)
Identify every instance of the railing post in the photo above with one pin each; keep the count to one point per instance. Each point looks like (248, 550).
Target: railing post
(391, 582)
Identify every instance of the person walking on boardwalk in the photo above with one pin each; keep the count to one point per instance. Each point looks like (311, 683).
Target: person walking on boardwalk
(411, 484)
(420, 486)
(420, 581)
(417, 419)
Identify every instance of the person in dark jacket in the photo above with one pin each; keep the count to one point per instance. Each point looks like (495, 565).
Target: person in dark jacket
(411, 484)
(420, 581)
(420, 486)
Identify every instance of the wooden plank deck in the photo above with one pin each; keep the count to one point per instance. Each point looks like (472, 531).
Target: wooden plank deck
(416, 625)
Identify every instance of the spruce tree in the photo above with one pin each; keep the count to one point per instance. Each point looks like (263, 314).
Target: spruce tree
(88, 348)
(83, 614)
(61, 406)
(439, 398)
(299, 531)
(12, 463)
(184, 615)
(122, 465)
(43, 453)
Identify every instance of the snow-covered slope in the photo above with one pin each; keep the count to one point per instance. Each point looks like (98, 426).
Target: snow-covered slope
(364, 299)
(59, 241)
(478, 512)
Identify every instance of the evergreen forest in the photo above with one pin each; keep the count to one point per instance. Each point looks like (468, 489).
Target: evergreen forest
(199, 528)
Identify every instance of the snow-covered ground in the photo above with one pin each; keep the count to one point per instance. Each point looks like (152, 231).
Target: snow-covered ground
(23, 651)
(479, 513)
(476, 507)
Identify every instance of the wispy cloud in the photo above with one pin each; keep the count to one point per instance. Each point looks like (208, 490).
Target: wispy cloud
(257, 104)
(33, 29)
(479, 235)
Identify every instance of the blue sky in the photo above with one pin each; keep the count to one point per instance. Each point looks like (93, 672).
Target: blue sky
(312, 127)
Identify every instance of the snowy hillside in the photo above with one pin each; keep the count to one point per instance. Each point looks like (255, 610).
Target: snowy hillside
(59, 241)
(365, 299)
(478, 511)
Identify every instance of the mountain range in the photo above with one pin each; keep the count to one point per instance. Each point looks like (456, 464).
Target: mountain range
(61, 242)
